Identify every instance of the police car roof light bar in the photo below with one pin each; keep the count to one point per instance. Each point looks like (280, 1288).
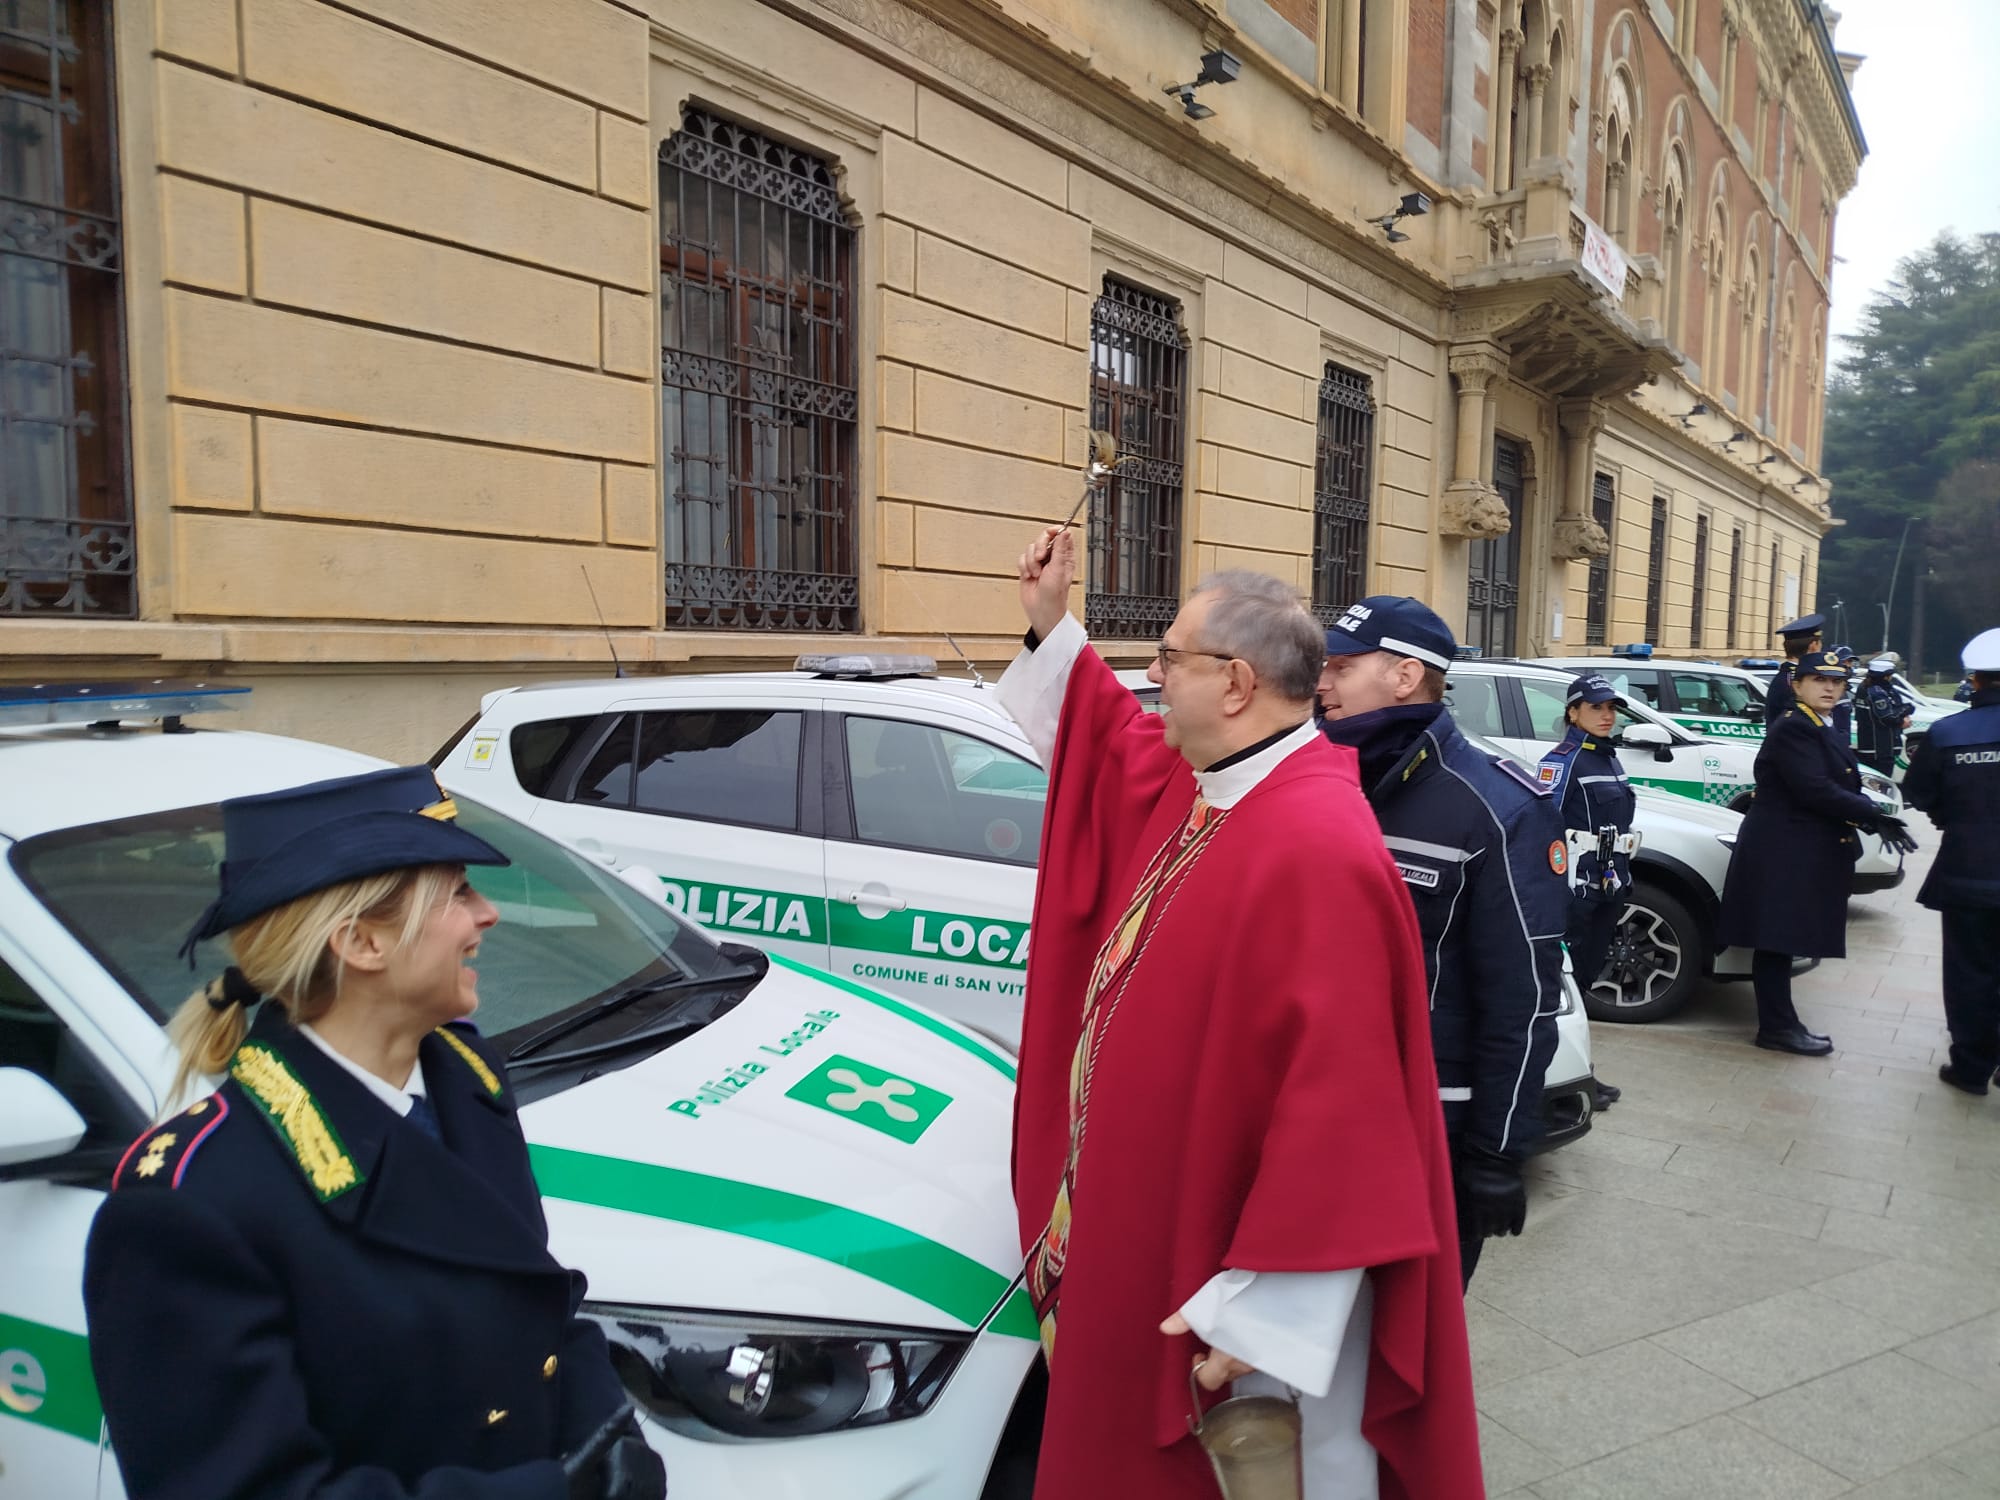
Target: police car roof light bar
(867, 666)
(1637, 650)
(162, 698)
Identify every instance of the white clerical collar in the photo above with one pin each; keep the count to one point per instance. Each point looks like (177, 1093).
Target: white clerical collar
(1225, 788)
(398, 1099)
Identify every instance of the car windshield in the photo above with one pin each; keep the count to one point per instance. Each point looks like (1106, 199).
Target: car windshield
(570, 931)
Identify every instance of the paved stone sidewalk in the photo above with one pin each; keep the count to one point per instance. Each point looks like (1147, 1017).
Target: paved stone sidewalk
(1761, 1277)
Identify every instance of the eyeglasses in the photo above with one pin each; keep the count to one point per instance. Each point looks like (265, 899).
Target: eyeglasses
(1166, 653)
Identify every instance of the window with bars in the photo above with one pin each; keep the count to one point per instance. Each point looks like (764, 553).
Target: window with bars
(1735, 584)
(1656, 568)
(1597, 591)
(1343, 476)
(1138, 393)
(65, 509)
(1700, 580)
(758, 403)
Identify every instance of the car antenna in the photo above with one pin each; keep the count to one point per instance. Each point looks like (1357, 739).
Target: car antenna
(977, 679)
(617, 666)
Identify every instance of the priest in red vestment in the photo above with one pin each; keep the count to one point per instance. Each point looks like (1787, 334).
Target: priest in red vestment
(1228, 1149)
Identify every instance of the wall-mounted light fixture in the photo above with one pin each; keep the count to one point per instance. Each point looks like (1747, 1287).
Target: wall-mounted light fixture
(1699, 409)
(1413, 204)
(1735, 437)
(1216, 67)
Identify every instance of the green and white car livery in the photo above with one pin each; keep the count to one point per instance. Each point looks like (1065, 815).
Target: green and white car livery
(801, 1181)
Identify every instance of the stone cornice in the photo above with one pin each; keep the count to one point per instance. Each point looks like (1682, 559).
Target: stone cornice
(1791, 41)
(1048, 84)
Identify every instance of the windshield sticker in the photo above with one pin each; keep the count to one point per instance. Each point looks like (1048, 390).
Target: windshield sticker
(45, 1378)
(898, 1107)
(721, 1090)
(480, 756)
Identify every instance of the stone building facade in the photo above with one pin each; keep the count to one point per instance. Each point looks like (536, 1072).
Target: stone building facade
(383, 352)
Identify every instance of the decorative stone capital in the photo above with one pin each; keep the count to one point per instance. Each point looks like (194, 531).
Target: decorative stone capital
(1474, 511)
(1511, 40)
(1574, 538)
(1537, 79)
(1477, 366)
(1582, 417)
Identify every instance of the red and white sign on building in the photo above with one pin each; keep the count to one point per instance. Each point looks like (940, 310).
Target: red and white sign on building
(1603, 260)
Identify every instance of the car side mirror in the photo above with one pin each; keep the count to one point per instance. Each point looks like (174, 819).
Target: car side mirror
(1648, 737)
(36, 1122)
(642, 879)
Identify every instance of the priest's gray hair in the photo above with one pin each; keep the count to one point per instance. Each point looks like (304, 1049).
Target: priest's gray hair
(1262, 620)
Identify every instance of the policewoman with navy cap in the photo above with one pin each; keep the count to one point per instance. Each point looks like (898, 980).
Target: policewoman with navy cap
(1590, 790)
(330, 1278)
(1793, 866)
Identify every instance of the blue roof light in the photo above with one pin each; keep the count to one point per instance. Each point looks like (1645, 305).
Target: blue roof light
(108, 702)
(1637, 650)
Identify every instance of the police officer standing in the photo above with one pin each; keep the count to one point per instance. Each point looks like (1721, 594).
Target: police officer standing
(1955, 777)
(1881, 716)
(1801, 636)
(1842, 716)
(1792, 869)
(1590, 790)
(1481, 853)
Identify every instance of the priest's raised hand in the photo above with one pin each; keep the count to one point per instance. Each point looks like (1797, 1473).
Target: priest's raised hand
(1227, 1143)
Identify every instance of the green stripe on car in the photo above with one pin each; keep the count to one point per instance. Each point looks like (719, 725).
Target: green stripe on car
(954, 1283)
(933, 1024)
(45, 1378)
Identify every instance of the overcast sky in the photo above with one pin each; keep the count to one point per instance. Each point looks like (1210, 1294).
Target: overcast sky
(1929, 100)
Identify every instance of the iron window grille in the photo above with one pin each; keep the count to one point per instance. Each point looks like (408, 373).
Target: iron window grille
(1597, 591)
(1700, 581)
(65, 509)
(758, 369)
(1138, 393)
(1493, 564)
(1656, 567)
(1735, 583)
(1343, 480)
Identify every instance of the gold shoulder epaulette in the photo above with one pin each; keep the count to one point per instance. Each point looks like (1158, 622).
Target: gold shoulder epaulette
(160, 1157)
(289, 1105)
(487, 1078)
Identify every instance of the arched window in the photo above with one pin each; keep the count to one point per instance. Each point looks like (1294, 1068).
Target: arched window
(1751, 294)
(1555, 98)
(1715, 339)
(1673, 240)
(1618, 188)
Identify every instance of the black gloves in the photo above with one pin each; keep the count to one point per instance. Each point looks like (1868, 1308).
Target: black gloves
(1492, 1199)
(1894, 832)
(615, 1463)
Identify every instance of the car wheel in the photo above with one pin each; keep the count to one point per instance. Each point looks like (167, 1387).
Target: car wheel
(1741, 804)
(1654, 963)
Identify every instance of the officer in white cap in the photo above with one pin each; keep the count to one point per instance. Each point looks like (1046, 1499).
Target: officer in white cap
(1955, 777)
(1882, 713)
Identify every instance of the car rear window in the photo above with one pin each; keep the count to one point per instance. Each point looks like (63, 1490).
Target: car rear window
(537, 749)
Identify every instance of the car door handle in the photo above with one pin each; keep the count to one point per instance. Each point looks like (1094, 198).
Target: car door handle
(893, 903)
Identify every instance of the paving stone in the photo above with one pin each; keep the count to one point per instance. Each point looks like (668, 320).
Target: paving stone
(1971, 1352)
(1503, 1348)
(1594, 1406)
(1918, 1299)
(1780, 1180)
(1929, 1480)
(1976, 1458)
(1873, 1418)
(1710, 1460)
(1781, 1341)
(1508, 1462)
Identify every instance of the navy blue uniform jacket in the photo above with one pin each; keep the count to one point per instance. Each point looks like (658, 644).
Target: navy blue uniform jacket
(294, 1292)
(1779, 696)
(1590, 789)
(1955, 777)
(1793, 866)
(1479, 846)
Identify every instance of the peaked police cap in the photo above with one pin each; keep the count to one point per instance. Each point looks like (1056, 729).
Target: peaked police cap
(280, 846)
(1398, 624)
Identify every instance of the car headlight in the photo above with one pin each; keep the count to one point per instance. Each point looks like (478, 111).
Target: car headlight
(706, 1375)
(1883, 788)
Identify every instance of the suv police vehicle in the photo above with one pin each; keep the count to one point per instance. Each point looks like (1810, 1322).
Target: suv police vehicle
(790, 1192)
(860, 813)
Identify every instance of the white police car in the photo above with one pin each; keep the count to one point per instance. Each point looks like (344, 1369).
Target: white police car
(860, 814)
(790, 1192)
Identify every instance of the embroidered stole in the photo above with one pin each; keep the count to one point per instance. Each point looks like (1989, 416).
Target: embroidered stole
(1110, 974)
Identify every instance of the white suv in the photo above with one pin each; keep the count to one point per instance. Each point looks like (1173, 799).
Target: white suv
(860, 814)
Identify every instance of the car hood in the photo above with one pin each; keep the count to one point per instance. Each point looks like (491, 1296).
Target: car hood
(821, 1151)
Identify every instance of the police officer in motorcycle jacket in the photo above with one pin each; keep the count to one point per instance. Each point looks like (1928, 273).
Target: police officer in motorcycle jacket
(1596, 801)
(1480, 850)
(1800, 636)
(1881, 715)
(1954, 776)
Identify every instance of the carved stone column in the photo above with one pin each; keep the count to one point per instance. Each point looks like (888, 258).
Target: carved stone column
(1350, 53)
(1576, 533)
(1537, 81)
(1472, 507)
(1500, 172)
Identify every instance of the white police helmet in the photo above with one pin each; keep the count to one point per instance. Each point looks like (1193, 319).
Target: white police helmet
(1882, 666)
(1982, 652)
